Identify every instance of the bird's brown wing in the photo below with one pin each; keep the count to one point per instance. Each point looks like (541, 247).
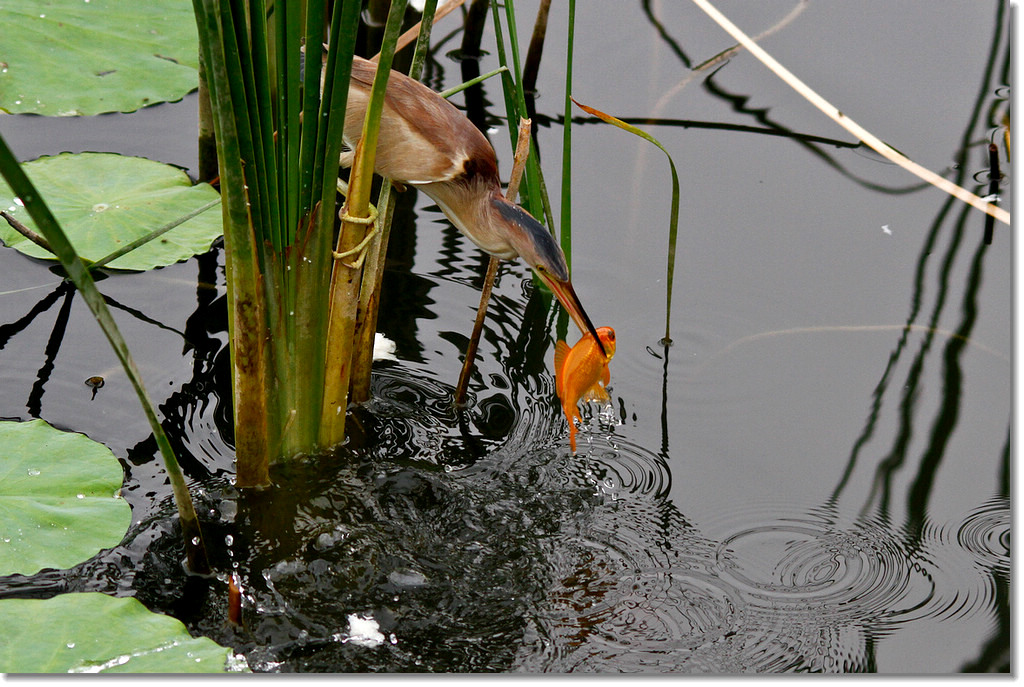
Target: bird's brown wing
(423, 138)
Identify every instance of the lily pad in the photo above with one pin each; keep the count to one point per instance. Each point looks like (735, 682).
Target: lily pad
(59, 502)
(84, 57)
(104, 201)
(96, 633)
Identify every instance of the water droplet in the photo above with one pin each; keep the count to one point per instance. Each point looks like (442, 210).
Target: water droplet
(229, 540)
(33, 472)
(80, 496)
(100, 207)
(71, 645)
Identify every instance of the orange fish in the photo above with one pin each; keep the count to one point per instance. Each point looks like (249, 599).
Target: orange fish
(581, 373)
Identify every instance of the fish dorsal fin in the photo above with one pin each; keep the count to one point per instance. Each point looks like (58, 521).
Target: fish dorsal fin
(561, 352)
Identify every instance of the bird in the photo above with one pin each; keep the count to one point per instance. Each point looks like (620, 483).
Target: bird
(427, 143)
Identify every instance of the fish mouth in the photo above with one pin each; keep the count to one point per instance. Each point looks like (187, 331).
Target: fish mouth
(566, 295)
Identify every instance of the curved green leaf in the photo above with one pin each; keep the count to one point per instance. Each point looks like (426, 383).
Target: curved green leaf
(673, 220)
(84, 57)
(59, 502)
(104, 201)
(96, 633)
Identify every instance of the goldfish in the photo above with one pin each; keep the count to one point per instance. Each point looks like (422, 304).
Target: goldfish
(581, 373)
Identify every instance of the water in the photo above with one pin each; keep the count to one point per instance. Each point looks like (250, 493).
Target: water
(814, 477)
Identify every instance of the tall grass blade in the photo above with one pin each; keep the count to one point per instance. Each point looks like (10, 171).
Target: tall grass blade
(79, 273)
(373, 266)
(247, 326)
(673, 226)
(345, 279)
(472, 82)
(533, 197)
(565, 226)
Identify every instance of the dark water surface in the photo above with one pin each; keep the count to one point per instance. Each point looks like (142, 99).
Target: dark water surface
(814, 477)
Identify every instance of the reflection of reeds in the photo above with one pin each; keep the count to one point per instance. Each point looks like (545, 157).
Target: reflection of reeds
(955, 345)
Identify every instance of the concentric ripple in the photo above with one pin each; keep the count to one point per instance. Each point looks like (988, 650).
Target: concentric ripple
(970, 563)
(811, 564)
(985, 535)
(631, 592)
(618, 467)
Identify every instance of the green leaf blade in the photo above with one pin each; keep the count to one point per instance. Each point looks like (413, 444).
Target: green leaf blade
(673, 227)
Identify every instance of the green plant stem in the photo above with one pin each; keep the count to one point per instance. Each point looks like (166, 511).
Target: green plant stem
(79, 273)
(247, 327)
(345, 280)
(565, 225)
(472, 82)
(373, 267)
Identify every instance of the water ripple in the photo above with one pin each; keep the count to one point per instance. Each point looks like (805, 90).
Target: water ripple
(969, 559)
(985, 535)
(631, 591)
(813, 564)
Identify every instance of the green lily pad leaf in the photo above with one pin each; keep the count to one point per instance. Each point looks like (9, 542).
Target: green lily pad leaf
(104, 201)
(84, 57)
(59, 501)
(96, 633)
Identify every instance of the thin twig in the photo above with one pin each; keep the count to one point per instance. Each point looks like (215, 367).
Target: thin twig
(518, 165)
(156, 233)
(26, 232)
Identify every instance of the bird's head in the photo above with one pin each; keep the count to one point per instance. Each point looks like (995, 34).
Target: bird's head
(535, 245)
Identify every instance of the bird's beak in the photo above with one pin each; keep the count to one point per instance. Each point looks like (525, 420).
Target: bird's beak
(566, 295)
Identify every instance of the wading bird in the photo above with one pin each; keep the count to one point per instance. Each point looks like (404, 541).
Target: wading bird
(426, 142)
